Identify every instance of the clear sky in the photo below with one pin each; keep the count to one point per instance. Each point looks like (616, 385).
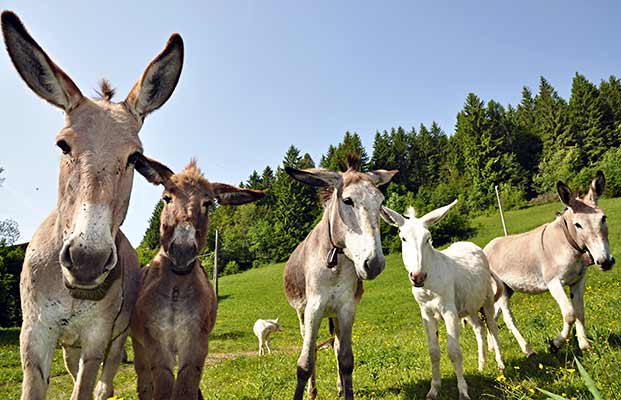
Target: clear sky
(262, 75)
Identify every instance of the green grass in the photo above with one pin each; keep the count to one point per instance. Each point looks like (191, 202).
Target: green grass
(391, 360)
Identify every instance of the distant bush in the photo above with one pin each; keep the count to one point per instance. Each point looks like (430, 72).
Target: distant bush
(512, 197)
(231, 268)
(610, 164)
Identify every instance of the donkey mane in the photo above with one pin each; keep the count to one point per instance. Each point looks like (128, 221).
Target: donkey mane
(350, 176)
(192, 174)
(106, 91)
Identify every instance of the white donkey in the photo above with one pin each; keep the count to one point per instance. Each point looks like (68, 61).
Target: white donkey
(450, 284)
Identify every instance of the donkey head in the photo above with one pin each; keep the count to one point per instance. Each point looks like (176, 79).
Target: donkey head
(587, 222)
(352, 210)
(98, 143)
(415, 237)
(187, 198)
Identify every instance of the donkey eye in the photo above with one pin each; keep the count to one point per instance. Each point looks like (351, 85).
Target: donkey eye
(167, 198)
(578, 225)
(64, 146)
(348, 201)
(403, 239)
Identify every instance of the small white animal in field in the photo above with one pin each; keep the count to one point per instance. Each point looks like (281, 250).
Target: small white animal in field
(262, 329)
(450, 284)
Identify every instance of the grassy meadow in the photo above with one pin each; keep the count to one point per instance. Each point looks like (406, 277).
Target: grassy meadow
(391, 359)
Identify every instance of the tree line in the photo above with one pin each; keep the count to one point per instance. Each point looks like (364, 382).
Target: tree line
(523, 149)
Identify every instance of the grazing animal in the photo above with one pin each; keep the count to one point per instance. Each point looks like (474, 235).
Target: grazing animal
(80, 274)
(323, 276)
(552, 256)
(176, 306)
(262, 329)
(449, 284)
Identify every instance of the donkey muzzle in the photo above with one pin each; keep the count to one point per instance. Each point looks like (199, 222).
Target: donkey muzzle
(606, 264)
(373, 267)
(85, 266)
(418, 278)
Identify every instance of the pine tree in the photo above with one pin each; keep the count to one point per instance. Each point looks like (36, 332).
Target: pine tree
(296, 205)
(336, 157)
(550, 119)
(151, 238)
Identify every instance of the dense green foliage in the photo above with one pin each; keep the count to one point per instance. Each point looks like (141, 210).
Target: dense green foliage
(390, 349)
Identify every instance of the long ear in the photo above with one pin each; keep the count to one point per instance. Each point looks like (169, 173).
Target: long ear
(154, 171)
(36, 68)
(315, 176)
(158, 80)
(598, 185)
(381, 176)
(392, 217)
(231, 195)
(564, 192)
(436, 215)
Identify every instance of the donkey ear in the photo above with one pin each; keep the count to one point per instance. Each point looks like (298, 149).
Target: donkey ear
(158, 80)
(564, 192)
(231, 195)
(315, 176)
(436, 215)
(154, 171)
(392, 217)
(381, 176)
(36, 68)
(598, 185)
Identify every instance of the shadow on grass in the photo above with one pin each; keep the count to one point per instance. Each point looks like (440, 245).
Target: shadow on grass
(223, 297)
(479, 387)
(614, 340)
(228, 335)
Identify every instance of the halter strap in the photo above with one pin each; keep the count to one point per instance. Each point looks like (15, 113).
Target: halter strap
(572, 242)
(332, 260)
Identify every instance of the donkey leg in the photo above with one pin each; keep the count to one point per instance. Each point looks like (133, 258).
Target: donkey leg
(479, 333)
(105, 386)
(144, 383)
(336, 345)
(451, 319)
(261, 351)
(191, 363)
(569, 316)
(36, 344)
(94, 344)
(300, 314)
(509, 319)
(345, 354)
(267, 344)
(71, 355)
(431, 331)
(492, 327)
(306, 362)
(577, 298)
(162, 363)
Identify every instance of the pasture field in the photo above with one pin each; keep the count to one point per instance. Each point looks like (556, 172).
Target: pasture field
(391, 359)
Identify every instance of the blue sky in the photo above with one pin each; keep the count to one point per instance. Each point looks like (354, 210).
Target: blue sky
(262, 75)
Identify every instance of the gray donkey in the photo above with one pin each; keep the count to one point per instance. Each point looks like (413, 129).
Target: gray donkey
(323, 277)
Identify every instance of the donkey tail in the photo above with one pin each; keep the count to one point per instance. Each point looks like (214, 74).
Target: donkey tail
(498, 286)
(330, 342)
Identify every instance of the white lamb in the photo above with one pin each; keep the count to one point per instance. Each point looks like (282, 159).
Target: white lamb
(451, 284)
(262, 329)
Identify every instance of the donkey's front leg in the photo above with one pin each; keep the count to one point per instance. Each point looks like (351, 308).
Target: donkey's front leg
(451, 319)
(36, 344)
(431, 330)
(93, 352)
(191, 362)
(345, 354)
(569, 316)
(306, 362)
(577, 298)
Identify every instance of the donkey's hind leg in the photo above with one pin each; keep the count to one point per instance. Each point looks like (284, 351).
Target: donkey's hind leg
(479, 333)
(105, 388)
(300, 313)
(492, 327)
(71, 355)
(509, 319)
(143, 371)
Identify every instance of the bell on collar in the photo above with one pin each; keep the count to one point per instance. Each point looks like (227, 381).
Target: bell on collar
(333, 257)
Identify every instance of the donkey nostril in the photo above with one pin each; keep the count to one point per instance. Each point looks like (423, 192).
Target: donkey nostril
(110, 262)
(65, 257)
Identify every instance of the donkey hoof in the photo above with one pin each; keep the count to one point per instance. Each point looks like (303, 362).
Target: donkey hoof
(553, 347)
(464, 396)
(431, 396)
(531, 356)
(586, 348)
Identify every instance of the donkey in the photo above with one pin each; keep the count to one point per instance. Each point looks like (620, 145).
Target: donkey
(552, 256)
(176, 306)
(80, 274)
(449, 284)
(262, 329)
(323, 277)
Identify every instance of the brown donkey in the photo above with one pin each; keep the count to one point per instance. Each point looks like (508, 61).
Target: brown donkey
(323, 277)
(80, 274)
(176, 307)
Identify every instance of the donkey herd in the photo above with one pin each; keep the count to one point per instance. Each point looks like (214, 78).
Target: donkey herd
(82, 286)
